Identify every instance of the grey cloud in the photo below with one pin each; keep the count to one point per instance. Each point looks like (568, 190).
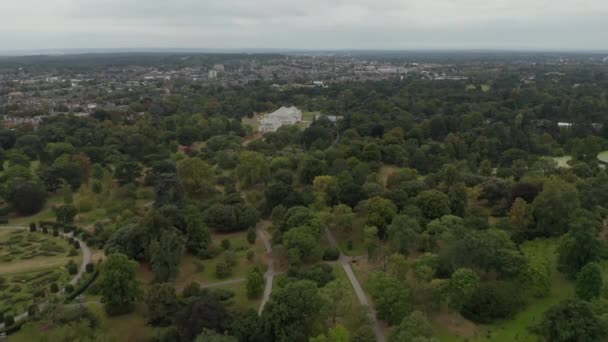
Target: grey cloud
(324, 24)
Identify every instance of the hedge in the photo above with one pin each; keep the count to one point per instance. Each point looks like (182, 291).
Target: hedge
(81, 288)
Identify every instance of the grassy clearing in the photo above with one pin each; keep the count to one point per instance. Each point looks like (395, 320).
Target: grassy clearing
(356, 236)
(603, 157)
(517, 329)
(309, 116)
(253, 122)
(240, 299)
(563, 161)
(385, 172)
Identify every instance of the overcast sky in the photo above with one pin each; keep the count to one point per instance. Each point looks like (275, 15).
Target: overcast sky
(305, 24)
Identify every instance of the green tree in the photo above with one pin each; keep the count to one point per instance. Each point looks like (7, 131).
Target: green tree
(391, 296)
(462, 285)
(414, 327)
(380, 213)
(572, 320)
(252, 168)
(458, 199)
(403, 234)
(197, 177)
(520, 214)
(162, 304)
(127, 172)
(589, 282)
(433, 204)
(28, 197)
(338, 300)
(165, 255)
(554, 205)
(372, 242)
(118, 284)
(577, 249)
(65, 214)
(198, 237)
(255, 284)
(292, 312)
(304, 241)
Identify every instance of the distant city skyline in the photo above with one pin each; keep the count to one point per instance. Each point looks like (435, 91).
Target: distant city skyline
(557, 25)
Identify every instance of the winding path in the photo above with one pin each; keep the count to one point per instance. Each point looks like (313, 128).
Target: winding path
(270, 273)
(86, 258)
(345, 262)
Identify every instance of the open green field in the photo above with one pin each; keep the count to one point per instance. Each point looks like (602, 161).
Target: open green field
(517, 329)
(562, 161)
(603, 157)
(309, 116)
(30, 263)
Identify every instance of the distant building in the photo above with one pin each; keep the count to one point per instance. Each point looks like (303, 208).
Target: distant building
(564, 124)
(283, 116)
(92, 106)
(219, 67)
(606, 59)
(212, 74)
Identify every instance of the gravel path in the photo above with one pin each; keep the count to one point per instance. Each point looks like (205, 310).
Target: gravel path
(270, 273)
(345, 262)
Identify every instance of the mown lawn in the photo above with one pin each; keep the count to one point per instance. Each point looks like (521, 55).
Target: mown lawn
(603, 157)
(562, 161)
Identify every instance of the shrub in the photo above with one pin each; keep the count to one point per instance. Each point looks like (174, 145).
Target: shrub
(222, 294)
(90, 267)
(349, 245)
(9, 320)
(76, 245)
(71, 240)
(230, 258)
(493, 301)
(97, 187)
(331, 254)
(32, 227)
(226, 244)
(54, 288)
(192, 290)
(73, 252)
(72, 268)
(45, 230)
(32, 310)
(69, 288)
(250, 256)
(55, 232)
(223, 270)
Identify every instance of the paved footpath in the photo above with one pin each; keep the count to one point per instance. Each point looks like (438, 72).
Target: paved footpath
(86, 258)
(270, 273)
(345, 262)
